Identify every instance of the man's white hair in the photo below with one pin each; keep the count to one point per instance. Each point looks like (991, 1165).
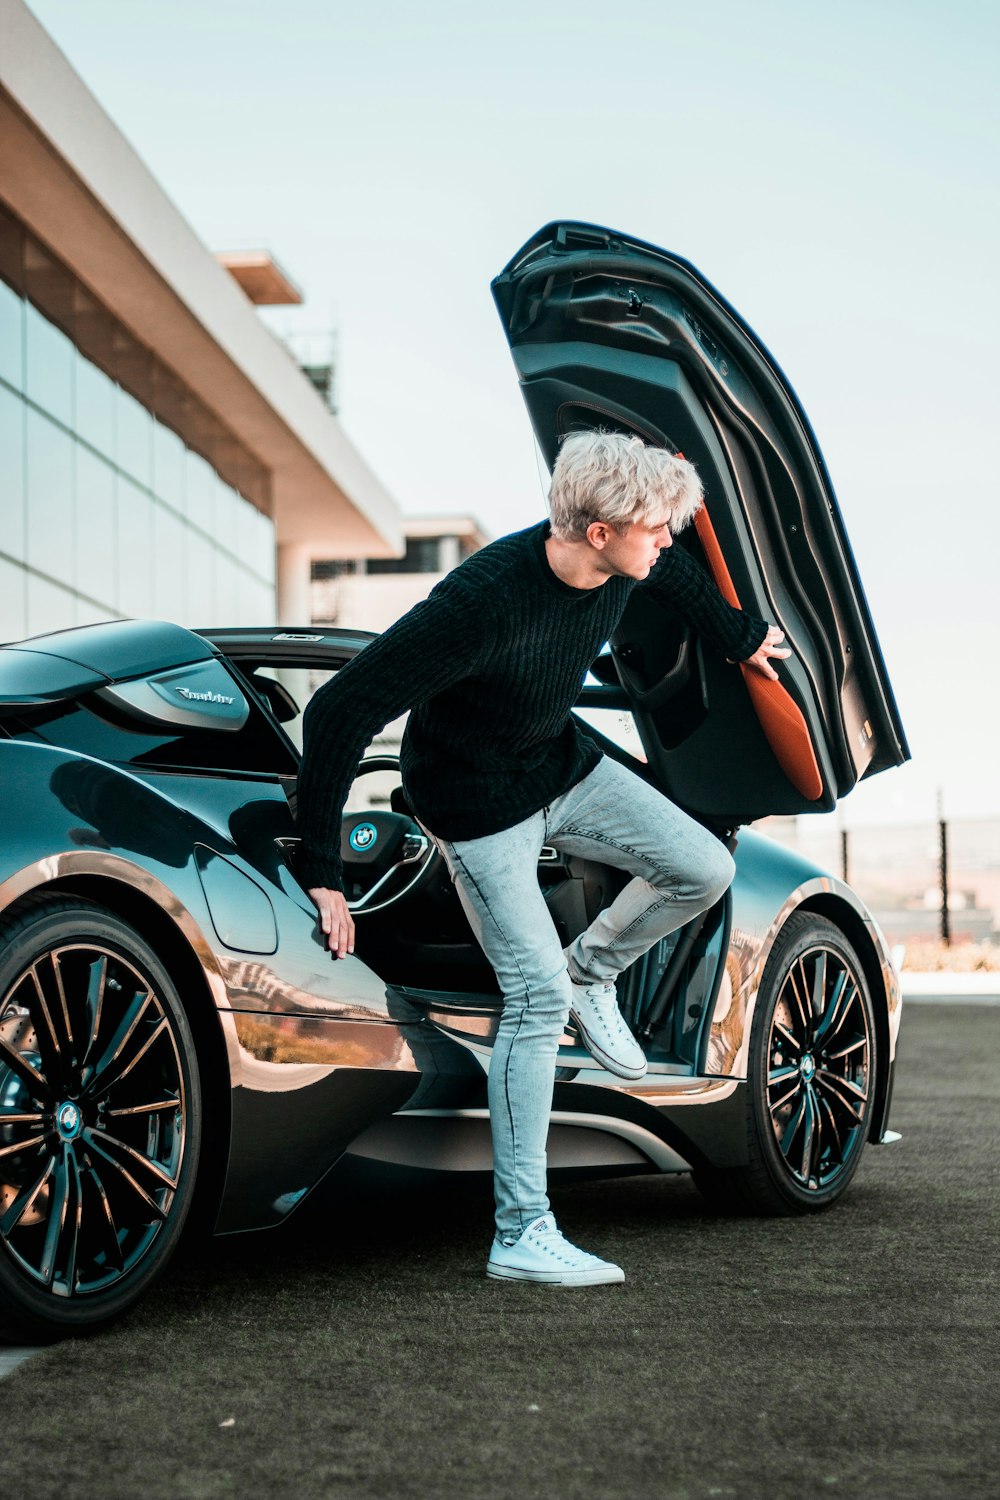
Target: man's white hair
(610, 477)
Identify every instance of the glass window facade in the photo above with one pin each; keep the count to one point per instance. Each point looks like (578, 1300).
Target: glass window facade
(105, 511)
(423, 555)
(11, 337)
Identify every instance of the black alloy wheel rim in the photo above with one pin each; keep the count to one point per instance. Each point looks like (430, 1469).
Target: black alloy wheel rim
(819, 1068)
(92, 1119)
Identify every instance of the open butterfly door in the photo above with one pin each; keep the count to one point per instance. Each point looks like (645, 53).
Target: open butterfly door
(608, 332)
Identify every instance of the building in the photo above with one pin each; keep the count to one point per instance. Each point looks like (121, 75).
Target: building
(161, 453)
(372, 592)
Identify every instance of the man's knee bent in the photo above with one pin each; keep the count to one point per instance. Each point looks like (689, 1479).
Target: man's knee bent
(716, 873)
(706, 874)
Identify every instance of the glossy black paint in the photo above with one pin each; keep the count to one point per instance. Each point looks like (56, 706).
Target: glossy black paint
(146, 768)
(379, 1059)
(121, 650)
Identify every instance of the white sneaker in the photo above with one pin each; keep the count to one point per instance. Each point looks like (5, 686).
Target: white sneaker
(594, 1008)
(543, 1254)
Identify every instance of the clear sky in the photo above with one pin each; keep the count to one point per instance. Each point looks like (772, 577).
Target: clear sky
(833, 169)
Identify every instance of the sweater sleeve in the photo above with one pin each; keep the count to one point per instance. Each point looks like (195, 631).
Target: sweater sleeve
(435, 644)
(681, 585)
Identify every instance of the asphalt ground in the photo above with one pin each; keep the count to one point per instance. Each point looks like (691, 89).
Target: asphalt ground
(361, 1352)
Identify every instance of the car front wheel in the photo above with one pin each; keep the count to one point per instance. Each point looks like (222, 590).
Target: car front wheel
(811, 1076)
(100, 1116)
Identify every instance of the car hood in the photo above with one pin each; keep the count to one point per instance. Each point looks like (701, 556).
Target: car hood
(609, 332)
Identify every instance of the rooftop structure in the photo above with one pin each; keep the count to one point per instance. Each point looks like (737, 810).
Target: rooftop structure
(371, 593)
(157, 442)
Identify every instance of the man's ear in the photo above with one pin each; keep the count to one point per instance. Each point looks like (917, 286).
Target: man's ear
(597, 534)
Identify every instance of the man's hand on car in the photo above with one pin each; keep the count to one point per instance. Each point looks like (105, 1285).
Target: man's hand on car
(769, 646)
(335, 919)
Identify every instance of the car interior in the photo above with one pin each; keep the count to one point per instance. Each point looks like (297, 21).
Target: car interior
(410, 927)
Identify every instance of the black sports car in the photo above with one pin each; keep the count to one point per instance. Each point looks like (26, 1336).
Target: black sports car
(173, 1033)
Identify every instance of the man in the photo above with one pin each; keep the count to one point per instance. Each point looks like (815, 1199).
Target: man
(494, 766)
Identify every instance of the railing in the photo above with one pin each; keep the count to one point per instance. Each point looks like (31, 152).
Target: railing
(939, 879)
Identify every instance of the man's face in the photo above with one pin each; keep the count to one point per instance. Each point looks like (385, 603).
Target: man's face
(631, 554)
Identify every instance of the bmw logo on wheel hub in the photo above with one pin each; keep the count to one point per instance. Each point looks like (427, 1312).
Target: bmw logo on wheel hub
(69, 1121)
(363, 836)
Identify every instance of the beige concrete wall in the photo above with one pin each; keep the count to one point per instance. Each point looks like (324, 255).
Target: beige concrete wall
(373, 603)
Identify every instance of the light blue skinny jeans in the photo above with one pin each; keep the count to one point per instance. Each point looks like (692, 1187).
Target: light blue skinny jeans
(678, 869)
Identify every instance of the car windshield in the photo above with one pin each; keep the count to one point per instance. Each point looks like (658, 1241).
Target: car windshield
(616, 725)
(375, 788)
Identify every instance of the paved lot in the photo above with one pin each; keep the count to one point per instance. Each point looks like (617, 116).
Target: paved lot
(364, 1354)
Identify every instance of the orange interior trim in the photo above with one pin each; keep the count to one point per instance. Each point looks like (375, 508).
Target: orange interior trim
(781, 719)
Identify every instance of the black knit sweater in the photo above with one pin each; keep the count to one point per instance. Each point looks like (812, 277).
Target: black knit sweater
(489, 665)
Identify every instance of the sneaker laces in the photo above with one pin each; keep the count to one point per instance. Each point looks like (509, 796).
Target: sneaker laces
(604, 1000)
(546, 1236)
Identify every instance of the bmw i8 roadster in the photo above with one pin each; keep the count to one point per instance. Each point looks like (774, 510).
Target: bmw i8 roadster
(174, 1036)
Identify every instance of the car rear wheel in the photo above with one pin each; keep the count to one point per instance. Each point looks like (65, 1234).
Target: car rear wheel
(811, 1076)
(100, 1116)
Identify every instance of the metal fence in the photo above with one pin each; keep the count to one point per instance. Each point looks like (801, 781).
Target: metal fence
(922, 880)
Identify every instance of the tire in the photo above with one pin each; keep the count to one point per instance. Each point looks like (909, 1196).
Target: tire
(811, 1077)
(100, 1117)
